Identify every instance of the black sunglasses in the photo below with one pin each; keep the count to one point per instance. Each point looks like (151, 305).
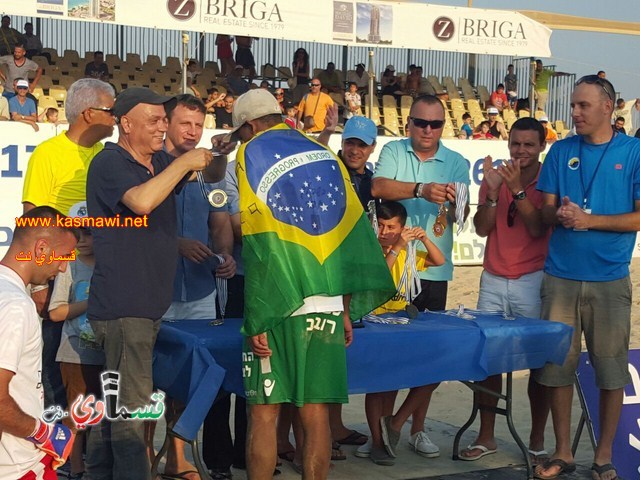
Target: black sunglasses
(315, 84)
(103, 109)
(603, 82)
(511, 213)
(422, 123)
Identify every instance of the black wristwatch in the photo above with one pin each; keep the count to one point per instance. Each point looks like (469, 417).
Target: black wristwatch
(521, 195)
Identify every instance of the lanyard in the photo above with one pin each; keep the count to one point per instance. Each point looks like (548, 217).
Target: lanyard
(585, 191)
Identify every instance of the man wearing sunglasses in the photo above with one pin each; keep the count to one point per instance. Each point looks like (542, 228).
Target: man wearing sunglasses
(517, 241)
(56, 176)
(21, 108)
(420, 172)
(312, 109)
(591, 198)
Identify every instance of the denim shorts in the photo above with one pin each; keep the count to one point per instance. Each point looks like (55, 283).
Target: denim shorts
(519, 297)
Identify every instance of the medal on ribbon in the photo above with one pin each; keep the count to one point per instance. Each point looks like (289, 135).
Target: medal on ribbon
(440, 224)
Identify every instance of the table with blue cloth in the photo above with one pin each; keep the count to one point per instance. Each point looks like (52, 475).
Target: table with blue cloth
(194, 360)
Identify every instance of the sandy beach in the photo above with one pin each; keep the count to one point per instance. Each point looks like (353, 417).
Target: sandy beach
(466, 282)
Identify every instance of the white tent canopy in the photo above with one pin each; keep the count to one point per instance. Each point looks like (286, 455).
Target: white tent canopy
(362, 23)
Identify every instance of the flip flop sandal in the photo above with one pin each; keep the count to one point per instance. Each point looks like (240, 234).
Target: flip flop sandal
(336, 453)
(354, 438)
(600, 469)
(484, 451)
(287, 456)
(538, 457)
(178, 476)
(556, 462)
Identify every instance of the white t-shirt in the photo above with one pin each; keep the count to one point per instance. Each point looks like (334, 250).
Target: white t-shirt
(21, 353)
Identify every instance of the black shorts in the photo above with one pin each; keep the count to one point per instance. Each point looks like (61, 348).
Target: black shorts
(244, 57)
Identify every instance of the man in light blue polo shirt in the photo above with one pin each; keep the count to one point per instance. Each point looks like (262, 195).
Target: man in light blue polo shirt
(21, 107)
(420, 173)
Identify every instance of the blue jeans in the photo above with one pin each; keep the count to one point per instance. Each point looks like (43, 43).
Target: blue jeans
(116, 450)
(54, 393)
(519, 297)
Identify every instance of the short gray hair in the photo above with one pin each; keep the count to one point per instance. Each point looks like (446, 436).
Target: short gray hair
(84, 94)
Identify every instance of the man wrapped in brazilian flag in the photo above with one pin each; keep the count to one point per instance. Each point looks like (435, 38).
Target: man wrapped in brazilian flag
(312, 264)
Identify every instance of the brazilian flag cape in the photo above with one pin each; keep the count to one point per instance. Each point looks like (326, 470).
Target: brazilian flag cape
(304, 231)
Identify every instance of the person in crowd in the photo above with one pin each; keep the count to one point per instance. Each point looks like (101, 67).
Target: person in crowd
(97, 68)
(47, 445)
(466, 131)
(223, 115)
(511, 86)
(360, 77)
(389, 83)
(19, 66)
(541, 84)
(624, 111)
(9, 37)
(550, 134)
(273, 379)
(602, 74)
(300, 67)
(312, 109)
(330, 79)
(482, 132)
(394, 237)
(202, 230)
(132, 285)
(509, 217)
(496, 127)
(595, 215)
(618, 126)
(279, 94)
(421, 173)
(352, 102)
(21, 108)
(499, 99)
(4, 109)
(235, 83)
(213, 97)
(32, 42)
(225, 53)
(244, 56)
(56, 176)
(79, 357)
(412, 81)
(292, 115)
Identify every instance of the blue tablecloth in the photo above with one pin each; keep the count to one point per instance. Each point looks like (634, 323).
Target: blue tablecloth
(193, 360)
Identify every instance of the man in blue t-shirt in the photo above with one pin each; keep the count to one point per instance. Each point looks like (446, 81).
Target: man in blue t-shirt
(22, 108)
(591, 185)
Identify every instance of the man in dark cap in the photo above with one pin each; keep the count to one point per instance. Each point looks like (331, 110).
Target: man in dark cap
(134, 181)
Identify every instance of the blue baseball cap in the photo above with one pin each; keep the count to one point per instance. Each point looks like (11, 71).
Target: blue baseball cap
(361, 128)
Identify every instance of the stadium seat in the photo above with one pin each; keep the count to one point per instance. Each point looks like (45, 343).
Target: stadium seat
(158, 88)
(53, 53)
(71, 56)
(41, 61)
(337, 98)
(483, 94)
(66, 81)
(113, 62)
(133, 60)
(62, 114)
(523, 113)
(173, 64)
(38, 92)
(452, 89)
(45, 82)
(539, 114)
(285, 71)
(46, 101)
(405, 106)
(153, 63)
(435, 83)
(209, 121)
(59, 93)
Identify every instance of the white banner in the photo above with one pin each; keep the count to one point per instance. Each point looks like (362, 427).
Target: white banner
(18, 140)
(345, 22)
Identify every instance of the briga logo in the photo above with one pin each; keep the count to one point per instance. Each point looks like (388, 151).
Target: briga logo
(181, 9)
(443, 28)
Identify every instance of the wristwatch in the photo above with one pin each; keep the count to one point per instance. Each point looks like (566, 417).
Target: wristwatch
(521, 195)
(417, 191)
(490, 203)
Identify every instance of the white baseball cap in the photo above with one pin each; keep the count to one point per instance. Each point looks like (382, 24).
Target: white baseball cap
(544, 119)
(492, 110)
(253, 104)
(22, 83)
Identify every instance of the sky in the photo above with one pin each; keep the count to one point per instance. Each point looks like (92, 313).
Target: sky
(584, 53)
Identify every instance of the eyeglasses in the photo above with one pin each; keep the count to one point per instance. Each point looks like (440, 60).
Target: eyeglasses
(315, 84)
(603, 82)
(22, 88)
(511, 213)
(422, 123)
(103, 109)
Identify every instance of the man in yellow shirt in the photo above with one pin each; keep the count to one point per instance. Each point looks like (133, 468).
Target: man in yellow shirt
(313, 108)
(56, 176)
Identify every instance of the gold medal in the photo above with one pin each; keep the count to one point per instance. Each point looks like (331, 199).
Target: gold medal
(440, 224)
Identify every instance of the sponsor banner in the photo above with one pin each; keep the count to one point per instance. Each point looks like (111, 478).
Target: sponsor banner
(17, 141)
(363, 23)
(626, 444)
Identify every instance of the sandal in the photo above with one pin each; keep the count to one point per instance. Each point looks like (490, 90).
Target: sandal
(354, 438)
(287, 456)
(337, 453)
(600, 469)
(538, 457)
(563, 467)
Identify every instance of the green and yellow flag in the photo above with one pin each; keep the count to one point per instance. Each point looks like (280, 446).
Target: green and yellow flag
(304, 231)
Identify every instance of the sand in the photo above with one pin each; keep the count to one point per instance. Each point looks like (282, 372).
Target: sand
(466, 281)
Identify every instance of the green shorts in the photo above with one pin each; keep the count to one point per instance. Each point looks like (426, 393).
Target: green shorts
(308, 363)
